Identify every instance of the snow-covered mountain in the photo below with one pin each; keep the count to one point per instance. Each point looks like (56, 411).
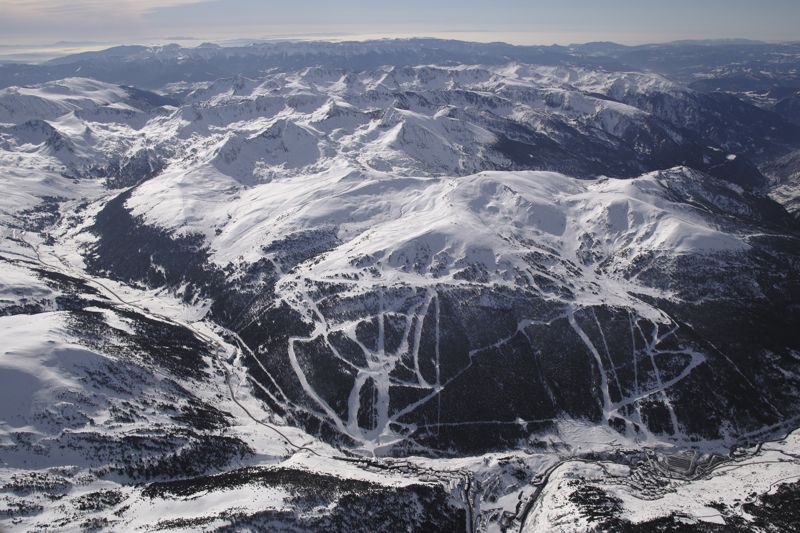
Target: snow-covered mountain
(510, 293)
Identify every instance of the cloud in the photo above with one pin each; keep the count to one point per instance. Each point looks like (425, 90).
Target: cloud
(32, 10)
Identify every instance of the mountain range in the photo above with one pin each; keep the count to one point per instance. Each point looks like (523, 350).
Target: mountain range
(417, 284)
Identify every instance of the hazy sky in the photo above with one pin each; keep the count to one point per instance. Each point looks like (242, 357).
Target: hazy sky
(519, 21)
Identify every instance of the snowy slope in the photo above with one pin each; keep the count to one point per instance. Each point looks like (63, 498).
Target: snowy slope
(100, 395)
(574, 244)
(395, 296)
(424, 228)
(426, 120)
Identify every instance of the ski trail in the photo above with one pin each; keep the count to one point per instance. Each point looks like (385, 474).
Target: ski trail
(338, 355)
(329, 412)
(381, 326)
(438, 372)
(405, 344)
(608, 354)
(418, 336)
(438, 337)
(381, 377)
(599, 360)
(650, 349)
(633, 355)
(697, 360)
(353, 404)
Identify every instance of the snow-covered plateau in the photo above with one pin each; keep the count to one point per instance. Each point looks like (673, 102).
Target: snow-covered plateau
(378, 287)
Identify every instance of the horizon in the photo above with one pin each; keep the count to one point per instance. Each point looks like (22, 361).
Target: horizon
(36, 53)
(35, 28)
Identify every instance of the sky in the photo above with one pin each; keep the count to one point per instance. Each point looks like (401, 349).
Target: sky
(90, 24)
